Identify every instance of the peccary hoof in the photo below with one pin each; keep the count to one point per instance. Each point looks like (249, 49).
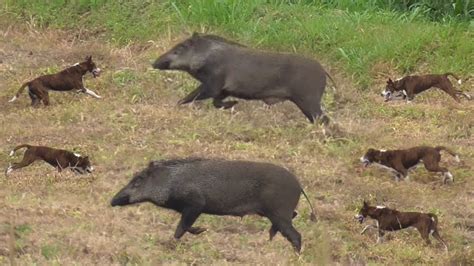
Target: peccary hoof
(272, 232)
(324, 120)
(229, 104)
(196, 230)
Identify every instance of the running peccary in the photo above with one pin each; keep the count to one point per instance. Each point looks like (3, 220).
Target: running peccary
(194, 186)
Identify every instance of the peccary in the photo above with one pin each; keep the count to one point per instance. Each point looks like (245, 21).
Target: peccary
(226, 68)
(195, 185)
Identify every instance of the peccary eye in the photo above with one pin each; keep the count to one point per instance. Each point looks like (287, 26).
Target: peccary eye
(177, 50)
(136, 184)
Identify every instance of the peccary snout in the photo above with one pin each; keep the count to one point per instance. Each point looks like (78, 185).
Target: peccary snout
(143, 187)
(121, 199)
(162, 63)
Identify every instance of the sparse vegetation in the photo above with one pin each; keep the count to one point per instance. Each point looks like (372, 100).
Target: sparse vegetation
(66, 219)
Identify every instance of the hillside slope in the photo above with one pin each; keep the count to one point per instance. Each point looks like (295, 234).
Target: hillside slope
(67, 219)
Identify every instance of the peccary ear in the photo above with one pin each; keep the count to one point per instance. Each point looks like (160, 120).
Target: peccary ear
(389, 81)
(195, 35)
(366, 204)
(154, 163)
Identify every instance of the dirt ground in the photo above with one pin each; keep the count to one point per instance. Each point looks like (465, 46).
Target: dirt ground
(46, 217)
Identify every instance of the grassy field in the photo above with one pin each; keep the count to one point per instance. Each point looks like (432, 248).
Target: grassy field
(47, 218)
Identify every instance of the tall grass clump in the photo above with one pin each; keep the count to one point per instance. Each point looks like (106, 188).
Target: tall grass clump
(436, 10)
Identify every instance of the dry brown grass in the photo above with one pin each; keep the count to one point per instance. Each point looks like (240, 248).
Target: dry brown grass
(67, 219)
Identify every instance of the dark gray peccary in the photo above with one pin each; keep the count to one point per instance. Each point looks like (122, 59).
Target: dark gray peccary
(193, 186)
(226, 68)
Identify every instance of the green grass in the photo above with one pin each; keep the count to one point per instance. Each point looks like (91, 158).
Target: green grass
(427, 36)
(50, 251)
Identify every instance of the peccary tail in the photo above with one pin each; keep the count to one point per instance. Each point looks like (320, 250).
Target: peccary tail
(313, 215)
(333, 83)
(337, 94)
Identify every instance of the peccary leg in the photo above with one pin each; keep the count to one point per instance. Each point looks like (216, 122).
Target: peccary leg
(288, 231)
(309, 116)
(200, 93)
(311, 110)
(274, 230)
(188, 217)
(305, 110)
(191, 96)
